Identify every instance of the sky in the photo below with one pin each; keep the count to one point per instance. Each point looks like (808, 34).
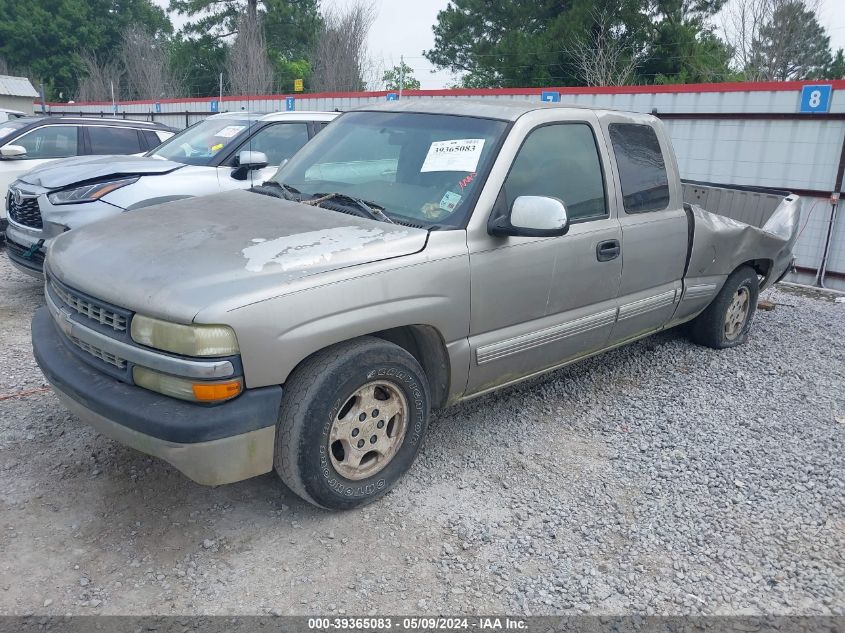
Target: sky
(403, 27)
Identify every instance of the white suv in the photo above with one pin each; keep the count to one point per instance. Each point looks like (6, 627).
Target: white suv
(225, 151)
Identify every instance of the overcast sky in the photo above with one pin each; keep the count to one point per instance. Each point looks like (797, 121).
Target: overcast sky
(403, 27)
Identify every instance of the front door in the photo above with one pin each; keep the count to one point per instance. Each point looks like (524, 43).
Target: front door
(539, 302)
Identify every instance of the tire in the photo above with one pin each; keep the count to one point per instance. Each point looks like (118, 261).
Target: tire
(727, 320)
(328, 409)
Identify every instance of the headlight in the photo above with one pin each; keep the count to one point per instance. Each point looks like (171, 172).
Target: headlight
(188, 340)
(88, 193)
(184, 389)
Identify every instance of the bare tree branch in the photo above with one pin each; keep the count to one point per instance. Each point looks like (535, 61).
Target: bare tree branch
(99, 78)
(145, 60)
(248, 67)
(601, 59)
(340, 60)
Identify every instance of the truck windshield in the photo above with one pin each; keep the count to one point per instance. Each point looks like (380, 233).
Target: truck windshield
(419, 168)
(200, 143)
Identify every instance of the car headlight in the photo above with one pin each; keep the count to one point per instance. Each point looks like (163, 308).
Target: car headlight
(187, 340)
(88, 193)
(184, 389)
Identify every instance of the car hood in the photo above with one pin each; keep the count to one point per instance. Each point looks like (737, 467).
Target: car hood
(227, 250)
(67, 171)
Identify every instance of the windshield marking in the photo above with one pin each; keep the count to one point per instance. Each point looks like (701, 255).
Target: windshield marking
(297, 252)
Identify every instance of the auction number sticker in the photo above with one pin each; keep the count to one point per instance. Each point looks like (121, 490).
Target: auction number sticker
(387, 623)
(229, 131)
(454, 155)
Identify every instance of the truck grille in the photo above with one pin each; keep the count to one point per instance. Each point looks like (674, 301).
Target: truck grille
(96, 352)
(100, 313)
(24, 211)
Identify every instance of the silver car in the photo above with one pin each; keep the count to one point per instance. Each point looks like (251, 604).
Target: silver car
(226, 151)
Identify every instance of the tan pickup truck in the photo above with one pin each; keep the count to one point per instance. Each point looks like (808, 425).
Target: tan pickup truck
(411, 256)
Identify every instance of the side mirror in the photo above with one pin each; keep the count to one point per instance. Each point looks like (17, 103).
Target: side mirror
(12, 151)
(246, 161)
(533, 216)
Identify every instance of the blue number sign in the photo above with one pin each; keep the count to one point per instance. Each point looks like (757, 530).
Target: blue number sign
(215, 105)
(550, 96)
(816, 98)
(290, 104)
(392, 96)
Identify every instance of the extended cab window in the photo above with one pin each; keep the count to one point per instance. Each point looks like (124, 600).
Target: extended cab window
(560, 161)
(114, 140)
(52, 141)
(279, 142)
(642, 170)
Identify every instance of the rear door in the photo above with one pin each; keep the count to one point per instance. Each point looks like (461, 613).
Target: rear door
(654, 226)
(539, 302)
(104, 140)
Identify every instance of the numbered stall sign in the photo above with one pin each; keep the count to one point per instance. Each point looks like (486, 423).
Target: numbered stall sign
(816, 98)
(290, 104)
(392, 96)
(550, 96)
(215, 105)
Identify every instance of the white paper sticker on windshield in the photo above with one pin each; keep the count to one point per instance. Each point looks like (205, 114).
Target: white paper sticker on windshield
(6, 130)
(229, 131)
(455, 155)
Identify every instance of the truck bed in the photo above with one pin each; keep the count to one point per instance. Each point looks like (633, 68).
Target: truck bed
(748, 205)
(734, 225)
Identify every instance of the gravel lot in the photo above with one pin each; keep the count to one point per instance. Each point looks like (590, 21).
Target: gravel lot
(658, 478)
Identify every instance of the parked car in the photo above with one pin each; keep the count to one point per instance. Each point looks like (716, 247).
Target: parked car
(28, 142)
(7, 115)
(225, 151)
(412, 256)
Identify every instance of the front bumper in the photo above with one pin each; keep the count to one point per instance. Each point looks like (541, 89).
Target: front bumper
(211, 445)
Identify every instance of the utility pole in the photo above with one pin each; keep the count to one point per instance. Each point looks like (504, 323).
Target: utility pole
(43, 101)
(113, 102)
(401, 74)
(220, 103)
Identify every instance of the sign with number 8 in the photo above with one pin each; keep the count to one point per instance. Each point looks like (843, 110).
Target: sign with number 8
(815, 99)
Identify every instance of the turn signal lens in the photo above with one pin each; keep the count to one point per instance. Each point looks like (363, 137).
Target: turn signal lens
(215, 392)
(184, 389)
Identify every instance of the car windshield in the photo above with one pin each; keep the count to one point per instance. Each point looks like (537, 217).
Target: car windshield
(8, 128)
(418, 168)
(200, 143)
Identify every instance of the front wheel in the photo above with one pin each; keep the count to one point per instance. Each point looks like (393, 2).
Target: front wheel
(727, 320)
(352, 422)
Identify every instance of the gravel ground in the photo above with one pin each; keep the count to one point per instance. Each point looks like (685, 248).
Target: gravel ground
(659, 478)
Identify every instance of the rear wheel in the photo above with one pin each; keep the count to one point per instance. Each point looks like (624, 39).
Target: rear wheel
(352, 421)
(727, 320)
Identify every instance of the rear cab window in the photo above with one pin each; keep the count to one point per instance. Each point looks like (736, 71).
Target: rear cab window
(642, 168)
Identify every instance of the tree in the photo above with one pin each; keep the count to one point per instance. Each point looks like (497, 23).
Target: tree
(249, 68)
(100, 78)
(146, 62)
(46, 37)
(536, 42)
(400, 75)
(198, 63)
(790, 45)
(340, 60)
(599, 56)
(836, 69)
(290, 29)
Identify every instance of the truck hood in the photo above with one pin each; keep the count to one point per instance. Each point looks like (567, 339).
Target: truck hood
(227, 250)
(68, 171)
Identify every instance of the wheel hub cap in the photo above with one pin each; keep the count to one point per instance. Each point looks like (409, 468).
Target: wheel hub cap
(368, 430)
(737, 313)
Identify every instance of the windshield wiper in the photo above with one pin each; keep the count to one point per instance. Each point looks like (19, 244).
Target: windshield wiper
(370, 209)
(289, 193)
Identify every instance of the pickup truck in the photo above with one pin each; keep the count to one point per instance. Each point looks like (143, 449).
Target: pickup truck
(411, 256)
